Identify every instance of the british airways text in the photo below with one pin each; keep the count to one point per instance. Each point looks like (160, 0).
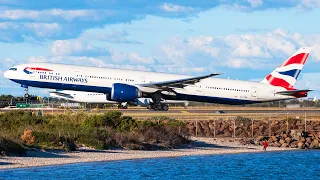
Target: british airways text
(66, 79)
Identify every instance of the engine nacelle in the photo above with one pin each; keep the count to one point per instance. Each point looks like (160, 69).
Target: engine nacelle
(124, 92)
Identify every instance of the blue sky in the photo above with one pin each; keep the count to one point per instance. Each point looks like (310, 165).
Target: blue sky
(244, 39)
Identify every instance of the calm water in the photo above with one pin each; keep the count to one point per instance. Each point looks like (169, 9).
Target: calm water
(270, 165)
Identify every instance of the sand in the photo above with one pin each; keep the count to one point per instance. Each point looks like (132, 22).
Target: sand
(199, 146)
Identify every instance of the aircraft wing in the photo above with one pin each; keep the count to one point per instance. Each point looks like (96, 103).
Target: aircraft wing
(179, 83)
(293, 92)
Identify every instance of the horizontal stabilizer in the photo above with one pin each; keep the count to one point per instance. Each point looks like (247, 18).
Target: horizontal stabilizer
(296, 93)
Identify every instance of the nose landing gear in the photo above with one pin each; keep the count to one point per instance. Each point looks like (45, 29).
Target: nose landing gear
(26, 95)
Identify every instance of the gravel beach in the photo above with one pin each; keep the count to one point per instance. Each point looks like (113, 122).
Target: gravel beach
(199, 146)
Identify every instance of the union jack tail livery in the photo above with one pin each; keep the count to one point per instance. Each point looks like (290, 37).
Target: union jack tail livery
(287, 73)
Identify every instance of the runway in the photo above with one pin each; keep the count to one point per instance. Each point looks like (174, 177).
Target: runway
(191, 110)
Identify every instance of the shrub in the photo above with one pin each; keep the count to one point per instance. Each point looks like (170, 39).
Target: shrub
(27, 137)
(41, 136)
(9, 146)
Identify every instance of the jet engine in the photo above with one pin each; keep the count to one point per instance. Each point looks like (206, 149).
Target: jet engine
(124, 92)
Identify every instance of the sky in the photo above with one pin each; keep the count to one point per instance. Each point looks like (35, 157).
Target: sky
(243, 39)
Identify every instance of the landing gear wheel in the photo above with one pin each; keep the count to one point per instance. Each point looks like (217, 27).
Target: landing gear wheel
(120, 106)
(159, 107)
(165, 108)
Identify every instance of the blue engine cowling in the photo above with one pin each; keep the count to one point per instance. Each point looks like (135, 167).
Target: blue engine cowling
(124, 92)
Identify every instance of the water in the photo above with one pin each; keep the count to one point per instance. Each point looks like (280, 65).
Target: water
(269, 165)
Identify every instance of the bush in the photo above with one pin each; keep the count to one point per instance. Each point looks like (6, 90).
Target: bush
(27, 137)
(44, 137)
(98, 131)
(9, 146)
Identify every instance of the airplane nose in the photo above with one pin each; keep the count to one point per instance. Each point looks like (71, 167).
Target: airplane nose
(8, 74)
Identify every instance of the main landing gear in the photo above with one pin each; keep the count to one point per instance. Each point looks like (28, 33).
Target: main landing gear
(122, 106)
(158, 107)
(156, 104)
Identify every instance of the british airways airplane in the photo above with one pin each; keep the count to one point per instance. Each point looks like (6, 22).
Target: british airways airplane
(127, 85)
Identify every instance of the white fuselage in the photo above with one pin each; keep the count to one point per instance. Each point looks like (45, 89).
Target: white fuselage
(100, 80)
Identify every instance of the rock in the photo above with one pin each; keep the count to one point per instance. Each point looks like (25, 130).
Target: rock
(227, 134)
(315, 143)
(294, 144)
(302, 139)
(221, 128)
(277, 144)
(243, 142)
(301, 145)
(282, 141)
(308, 140)
(288, 140)
(274, 138)
(260, 138)
(284, 145)
(311, 146)
(284, 136)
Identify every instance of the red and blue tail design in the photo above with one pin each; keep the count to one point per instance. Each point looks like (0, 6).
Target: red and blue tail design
(287, 73)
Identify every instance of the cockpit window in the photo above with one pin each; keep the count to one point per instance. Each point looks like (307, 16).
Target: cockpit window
(13, 69)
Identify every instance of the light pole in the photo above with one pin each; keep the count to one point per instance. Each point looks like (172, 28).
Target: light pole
(11, 101)
(287, 123)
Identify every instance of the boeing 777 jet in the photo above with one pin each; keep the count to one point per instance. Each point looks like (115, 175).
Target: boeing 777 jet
(128, 85)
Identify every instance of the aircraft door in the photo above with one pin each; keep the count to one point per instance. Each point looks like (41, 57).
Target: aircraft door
(254, 92)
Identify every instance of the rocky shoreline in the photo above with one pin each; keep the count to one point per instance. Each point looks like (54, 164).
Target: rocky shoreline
(199, 146)
(279, 133)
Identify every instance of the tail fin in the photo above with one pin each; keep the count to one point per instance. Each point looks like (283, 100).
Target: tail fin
(287, 73)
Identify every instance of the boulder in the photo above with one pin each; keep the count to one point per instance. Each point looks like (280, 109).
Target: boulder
(227, 134)
(274, 138)
(277, 144)
(302, 139)
(260, 138)
(301, 145)
(311, 146)
(308, 140)
(294, 144)
(282, 141)
(284, 136)
(315, 143)
(288, 140)
(221, 128)
(284, 145)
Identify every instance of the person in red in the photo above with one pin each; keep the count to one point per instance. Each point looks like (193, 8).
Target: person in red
(265, 145)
